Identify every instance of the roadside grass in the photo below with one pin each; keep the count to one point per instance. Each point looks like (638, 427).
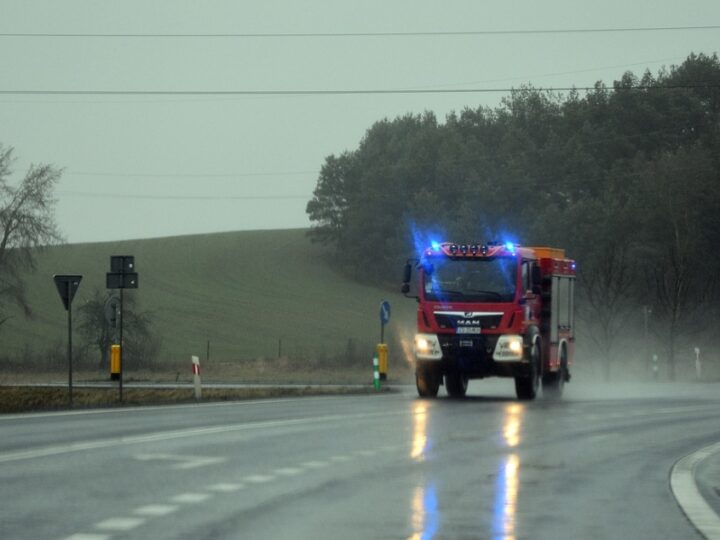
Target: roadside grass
(16, 399)
(252, 296)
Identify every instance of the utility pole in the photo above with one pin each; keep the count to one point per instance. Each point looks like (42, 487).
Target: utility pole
(647, 311)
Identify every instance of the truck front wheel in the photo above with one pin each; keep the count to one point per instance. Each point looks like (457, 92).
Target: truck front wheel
(427, 380)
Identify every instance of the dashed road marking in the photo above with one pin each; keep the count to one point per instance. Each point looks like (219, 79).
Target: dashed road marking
(289, 471)
(259, 478)
(603, 436)
(188, 462)
(226, 487)
(315, 464)
(189, 498)
(688, 496)
(119, 524)
(181, 462)
(155, 510)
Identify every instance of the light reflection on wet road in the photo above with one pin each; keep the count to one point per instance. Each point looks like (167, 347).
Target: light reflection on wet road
(507, 486)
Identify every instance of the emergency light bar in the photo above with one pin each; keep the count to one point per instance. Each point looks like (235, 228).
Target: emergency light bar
(470, 249)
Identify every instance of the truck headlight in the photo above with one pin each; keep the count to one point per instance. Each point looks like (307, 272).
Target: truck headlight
(427, 347)
(508, 349)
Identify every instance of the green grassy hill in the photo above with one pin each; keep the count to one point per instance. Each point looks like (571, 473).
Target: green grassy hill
(243, 291)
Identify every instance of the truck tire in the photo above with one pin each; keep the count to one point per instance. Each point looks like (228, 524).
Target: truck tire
(427, 380)
(554, 383)
(527, 385)
(456, 384)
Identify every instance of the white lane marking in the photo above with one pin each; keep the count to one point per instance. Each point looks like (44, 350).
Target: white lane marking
(119, 524)
(238, 403)
(340, 459)
(366, 453)
(156, 510)
(126, 410)
(179, 434)
(182, 462)
(652, 412)
(389, 448)
(289, 471)
(226, 487)
(688, 496)
(314, 464)
(259, 478)
(81, 536)
(190, 498)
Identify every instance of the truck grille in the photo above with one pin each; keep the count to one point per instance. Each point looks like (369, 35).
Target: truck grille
(490, 321)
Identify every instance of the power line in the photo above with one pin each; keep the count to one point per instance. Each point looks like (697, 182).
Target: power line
(96, 195)
(189, 175)
(294, 35)
(406, 91)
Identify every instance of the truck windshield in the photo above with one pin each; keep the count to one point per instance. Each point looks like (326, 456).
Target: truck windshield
(471, 280)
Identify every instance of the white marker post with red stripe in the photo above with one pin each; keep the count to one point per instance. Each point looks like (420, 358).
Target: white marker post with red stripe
(196, 377)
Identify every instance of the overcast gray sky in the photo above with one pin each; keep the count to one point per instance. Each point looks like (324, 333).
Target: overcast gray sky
(146, 166)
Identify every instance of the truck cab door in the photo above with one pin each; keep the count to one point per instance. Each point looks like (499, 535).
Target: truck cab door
(531, 289)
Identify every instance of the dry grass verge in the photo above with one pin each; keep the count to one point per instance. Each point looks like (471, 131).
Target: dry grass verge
(15, 399)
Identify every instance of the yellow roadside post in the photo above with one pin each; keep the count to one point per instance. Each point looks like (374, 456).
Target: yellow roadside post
(114, 362)
(382, 353)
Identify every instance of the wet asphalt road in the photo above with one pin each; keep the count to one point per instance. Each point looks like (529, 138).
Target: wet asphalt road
(593, 465)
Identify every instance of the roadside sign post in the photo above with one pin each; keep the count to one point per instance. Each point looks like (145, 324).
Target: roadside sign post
(196, 377)
(655, 366)
(67, 286)
(698, 364)
(112, 314)
(382, 349)
(376, 372)
(121, 276)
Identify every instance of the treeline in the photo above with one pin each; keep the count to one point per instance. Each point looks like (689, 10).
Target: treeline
(624, 177)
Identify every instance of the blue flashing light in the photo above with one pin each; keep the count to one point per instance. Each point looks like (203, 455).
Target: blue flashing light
(510, 246)
(435, 245)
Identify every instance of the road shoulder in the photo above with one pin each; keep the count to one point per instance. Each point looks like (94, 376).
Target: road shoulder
(694, 480)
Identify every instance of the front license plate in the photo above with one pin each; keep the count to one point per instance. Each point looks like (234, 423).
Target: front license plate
(466, 343)
(468, 330)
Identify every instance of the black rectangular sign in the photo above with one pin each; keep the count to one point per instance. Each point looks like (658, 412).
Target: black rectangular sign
(120, 264)
(116, 280)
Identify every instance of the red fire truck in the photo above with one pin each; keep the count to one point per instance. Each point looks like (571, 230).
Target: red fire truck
(495, 309)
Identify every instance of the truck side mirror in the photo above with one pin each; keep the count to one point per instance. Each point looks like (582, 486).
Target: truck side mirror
(407, 276)
(407, 273)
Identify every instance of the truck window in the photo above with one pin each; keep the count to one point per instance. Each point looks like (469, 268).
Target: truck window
(472, 280)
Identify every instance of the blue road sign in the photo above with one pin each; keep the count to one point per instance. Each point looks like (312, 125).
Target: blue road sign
(385, 312)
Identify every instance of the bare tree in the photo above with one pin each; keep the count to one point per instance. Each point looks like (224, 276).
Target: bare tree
(681, 193)
(27, 222)
(142, 344)
(601, 239)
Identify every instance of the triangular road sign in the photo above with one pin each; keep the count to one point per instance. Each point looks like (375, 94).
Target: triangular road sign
(67, 286)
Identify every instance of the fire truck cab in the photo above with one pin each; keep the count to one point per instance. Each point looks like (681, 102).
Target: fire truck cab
(495, 309)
